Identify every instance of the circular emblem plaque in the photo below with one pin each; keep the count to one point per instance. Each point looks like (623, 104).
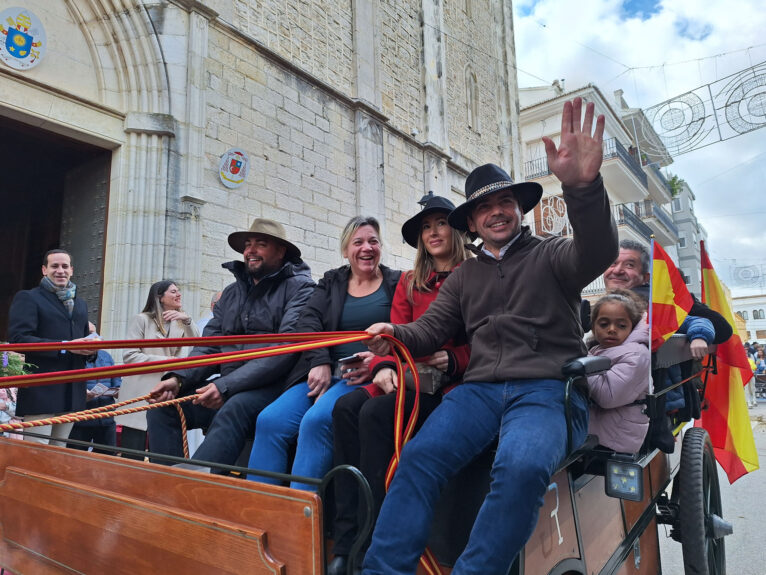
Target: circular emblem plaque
(234, 167)
(22, 38)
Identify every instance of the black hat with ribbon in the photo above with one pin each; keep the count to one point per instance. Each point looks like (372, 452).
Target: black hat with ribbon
(411, 228)
(489, 179)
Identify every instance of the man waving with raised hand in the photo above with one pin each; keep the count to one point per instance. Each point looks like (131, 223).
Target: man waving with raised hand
(518, 302)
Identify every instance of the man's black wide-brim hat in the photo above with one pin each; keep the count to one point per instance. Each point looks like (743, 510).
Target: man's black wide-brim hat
(489, 179)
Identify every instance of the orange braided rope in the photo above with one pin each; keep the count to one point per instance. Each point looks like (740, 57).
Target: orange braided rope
(97, 413)
(184, 437)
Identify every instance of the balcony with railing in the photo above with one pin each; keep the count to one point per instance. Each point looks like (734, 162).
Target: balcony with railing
(659, 187)
(535, 169)
(658, 219)
(613, 148)
(624, 216)
(596, 287)
(624, 177)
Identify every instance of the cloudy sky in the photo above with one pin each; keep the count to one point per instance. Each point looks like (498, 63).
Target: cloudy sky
(654, 51)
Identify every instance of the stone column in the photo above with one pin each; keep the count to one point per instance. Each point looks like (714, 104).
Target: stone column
(370, 159)
(186, 196)
(137, 247)
(366, 41)
(436, 134)
(512, 156)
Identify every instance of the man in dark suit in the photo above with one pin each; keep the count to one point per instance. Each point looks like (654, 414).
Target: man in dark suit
(51, 312)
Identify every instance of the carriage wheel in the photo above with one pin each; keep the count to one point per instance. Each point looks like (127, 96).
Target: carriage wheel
(700, 507)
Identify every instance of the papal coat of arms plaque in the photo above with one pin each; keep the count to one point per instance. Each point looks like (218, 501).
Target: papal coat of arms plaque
(22, 38)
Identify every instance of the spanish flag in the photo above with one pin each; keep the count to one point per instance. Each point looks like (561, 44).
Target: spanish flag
(725, 414)
(671, 300)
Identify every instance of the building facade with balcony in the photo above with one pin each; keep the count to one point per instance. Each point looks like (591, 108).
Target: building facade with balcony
(652, 155)
(637, 188)
(752, 309)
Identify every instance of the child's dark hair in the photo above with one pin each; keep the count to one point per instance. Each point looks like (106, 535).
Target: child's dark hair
(633, 304)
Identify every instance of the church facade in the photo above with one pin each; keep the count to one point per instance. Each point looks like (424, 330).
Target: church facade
(146, 131)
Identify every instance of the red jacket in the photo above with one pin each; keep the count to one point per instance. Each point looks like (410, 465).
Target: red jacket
(403, 311)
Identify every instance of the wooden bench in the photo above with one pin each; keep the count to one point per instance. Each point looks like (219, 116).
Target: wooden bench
(67, 511)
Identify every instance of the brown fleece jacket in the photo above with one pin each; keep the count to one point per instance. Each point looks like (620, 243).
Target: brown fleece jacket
(521, 313)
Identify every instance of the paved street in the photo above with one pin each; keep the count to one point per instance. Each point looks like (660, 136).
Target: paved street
(744, 504)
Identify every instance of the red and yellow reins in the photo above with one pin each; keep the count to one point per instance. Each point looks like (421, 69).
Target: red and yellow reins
(306, 341)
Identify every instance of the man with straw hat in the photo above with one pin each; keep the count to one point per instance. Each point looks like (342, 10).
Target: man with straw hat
(271, 287)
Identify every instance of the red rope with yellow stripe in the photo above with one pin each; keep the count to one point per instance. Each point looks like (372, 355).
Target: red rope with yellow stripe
(301, 342)
(403, 433)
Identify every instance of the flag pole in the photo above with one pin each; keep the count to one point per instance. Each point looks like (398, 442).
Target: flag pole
(651, 299)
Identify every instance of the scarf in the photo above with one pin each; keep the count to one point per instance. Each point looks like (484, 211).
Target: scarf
(66, 294)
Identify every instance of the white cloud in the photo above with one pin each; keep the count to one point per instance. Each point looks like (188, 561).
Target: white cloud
(655, 56)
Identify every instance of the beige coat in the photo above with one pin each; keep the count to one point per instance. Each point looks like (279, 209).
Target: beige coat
(143, 326)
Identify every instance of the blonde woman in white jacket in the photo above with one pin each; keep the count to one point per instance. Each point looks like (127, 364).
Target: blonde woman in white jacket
(161, 318)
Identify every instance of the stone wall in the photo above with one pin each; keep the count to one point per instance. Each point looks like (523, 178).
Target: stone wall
(401, 64)
(473, 39)
(333, 125)
(300, 143)
(312, 34)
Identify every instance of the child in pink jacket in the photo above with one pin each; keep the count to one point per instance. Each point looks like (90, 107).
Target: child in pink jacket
(623, 336)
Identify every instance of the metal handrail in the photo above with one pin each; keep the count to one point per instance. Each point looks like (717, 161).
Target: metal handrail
(660, 176)
(664, 217)
(651, 209)
(613, 148)
(536, 168)
(624, 216)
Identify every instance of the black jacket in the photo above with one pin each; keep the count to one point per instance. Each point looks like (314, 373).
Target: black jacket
(271, 306)
(323, 313)
(37, 316)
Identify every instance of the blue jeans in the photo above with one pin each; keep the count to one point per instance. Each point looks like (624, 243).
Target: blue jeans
(527, 417)
(293, 415)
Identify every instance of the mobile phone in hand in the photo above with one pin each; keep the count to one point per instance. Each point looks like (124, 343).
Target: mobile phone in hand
(350, 359)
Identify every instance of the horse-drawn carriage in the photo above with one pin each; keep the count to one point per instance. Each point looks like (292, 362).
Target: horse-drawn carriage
(66, 511)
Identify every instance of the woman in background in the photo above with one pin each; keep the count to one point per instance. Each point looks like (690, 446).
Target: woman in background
(161, 318)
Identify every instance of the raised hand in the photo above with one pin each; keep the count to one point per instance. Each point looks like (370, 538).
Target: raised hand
(578, 158)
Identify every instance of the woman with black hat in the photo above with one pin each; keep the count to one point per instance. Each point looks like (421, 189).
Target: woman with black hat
(363, 420)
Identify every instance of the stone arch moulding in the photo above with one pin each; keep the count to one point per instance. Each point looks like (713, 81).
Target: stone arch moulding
(130, 69)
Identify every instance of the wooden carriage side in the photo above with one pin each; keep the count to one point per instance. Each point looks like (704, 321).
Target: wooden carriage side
(65, 511)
